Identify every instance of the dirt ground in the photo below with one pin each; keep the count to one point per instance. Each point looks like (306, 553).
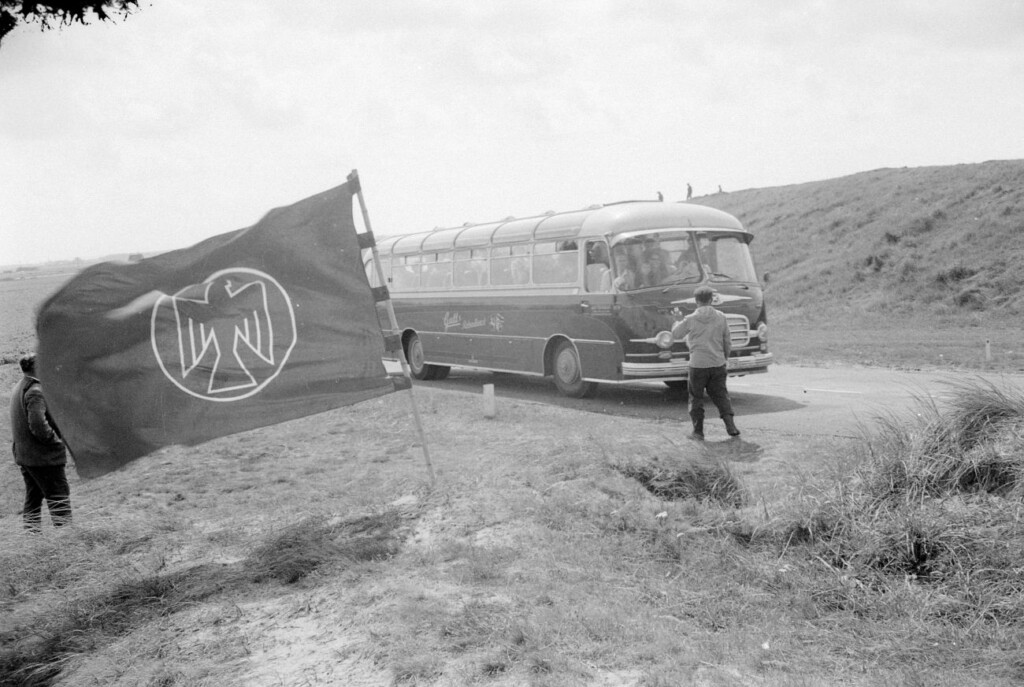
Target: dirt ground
(496, 480)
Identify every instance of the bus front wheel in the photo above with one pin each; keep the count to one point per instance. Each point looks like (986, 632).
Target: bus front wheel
(420, 369)
(569, 373)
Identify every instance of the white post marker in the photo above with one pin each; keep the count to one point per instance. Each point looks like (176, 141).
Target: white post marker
(490, 409)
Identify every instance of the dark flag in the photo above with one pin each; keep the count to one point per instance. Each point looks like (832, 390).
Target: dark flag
(243, 330)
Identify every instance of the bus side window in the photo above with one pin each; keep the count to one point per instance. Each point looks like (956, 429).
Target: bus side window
(520, 270)
(471, 268)
(404, 274)
(556, 263)
(510, 265)
(479, 258)
(521, 263)
(501, 266)
(597, 266)
(436, 271)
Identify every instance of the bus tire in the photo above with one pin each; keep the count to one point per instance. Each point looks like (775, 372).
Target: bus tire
(414, 355)
(569, 373)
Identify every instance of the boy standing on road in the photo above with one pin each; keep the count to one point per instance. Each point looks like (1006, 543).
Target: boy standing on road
(706, 332)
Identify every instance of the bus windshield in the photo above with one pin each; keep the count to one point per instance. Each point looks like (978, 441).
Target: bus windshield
(648, 260)
(725, 257)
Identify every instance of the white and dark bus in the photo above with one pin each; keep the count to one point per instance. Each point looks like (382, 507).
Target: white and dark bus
(586, 296)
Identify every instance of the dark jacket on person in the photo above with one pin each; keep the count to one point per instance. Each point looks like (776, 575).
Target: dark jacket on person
(36, 440)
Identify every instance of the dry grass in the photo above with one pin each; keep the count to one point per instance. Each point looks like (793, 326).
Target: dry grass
(687, 479)
(926, 523)
(313, 553)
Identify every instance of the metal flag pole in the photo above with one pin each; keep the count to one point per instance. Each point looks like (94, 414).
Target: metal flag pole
(393, 340)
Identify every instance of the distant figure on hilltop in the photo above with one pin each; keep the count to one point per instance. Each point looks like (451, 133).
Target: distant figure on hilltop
(720, 189)
(661, 198)
(689, 191)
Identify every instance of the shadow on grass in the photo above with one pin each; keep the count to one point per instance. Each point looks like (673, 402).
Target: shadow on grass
(34, 653)
(734, 450)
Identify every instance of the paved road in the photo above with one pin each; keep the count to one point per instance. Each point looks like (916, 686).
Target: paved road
(797, 422)
(787, 401)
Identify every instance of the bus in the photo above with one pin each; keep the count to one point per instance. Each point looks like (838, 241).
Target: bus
(586, 297)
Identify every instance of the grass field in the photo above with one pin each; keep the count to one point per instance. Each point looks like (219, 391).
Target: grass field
(556, 548)
(19, 299)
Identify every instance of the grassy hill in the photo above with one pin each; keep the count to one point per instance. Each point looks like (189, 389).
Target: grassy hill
(895, 267)
(944, 243)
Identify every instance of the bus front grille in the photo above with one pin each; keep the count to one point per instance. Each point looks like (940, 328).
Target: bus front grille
(739, 330)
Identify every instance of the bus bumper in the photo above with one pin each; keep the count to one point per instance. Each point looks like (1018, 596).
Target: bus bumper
(747, 364)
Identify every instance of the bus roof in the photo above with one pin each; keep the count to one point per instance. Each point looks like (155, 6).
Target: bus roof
(601, 220)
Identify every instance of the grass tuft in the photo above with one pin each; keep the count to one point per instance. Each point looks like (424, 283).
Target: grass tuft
(934, 502)
(701, 481)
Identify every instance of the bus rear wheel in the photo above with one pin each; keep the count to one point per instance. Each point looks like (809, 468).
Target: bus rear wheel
(569, 373)
(420, 369)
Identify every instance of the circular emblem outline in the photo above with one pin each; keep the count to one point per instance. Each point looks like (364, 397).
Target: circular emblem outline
(259, 387)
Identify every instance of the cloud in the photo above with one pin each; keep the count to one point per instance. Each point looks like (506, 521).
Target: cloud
(192, 118)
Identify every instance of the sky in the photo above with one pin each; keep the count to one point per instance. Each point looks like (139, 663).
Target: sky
(192, 118)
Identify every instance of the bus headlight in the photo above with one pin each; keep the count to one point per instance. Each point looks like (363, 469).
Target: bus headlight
(762, 332)
(664, 339)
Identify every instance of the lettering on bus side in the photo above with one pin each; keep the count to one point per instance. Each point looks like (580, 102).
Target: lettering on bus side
(453, 321)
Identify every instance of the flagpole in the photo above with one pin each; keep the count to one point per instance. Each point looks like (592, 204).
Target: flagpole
(353, 179)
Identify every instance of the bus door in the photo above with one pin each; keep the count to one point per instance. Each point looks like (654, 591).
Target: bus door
(598, 346)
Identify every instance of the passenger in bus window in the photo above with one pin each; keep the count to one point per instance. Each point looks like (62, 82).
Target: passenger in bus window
(653, 270)
(635, 253)
(625, 276)
(567, 267)
(480, 272)
(651, 248)
(521, 270)
(597, 268)
(686, 267)
(645, 275)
